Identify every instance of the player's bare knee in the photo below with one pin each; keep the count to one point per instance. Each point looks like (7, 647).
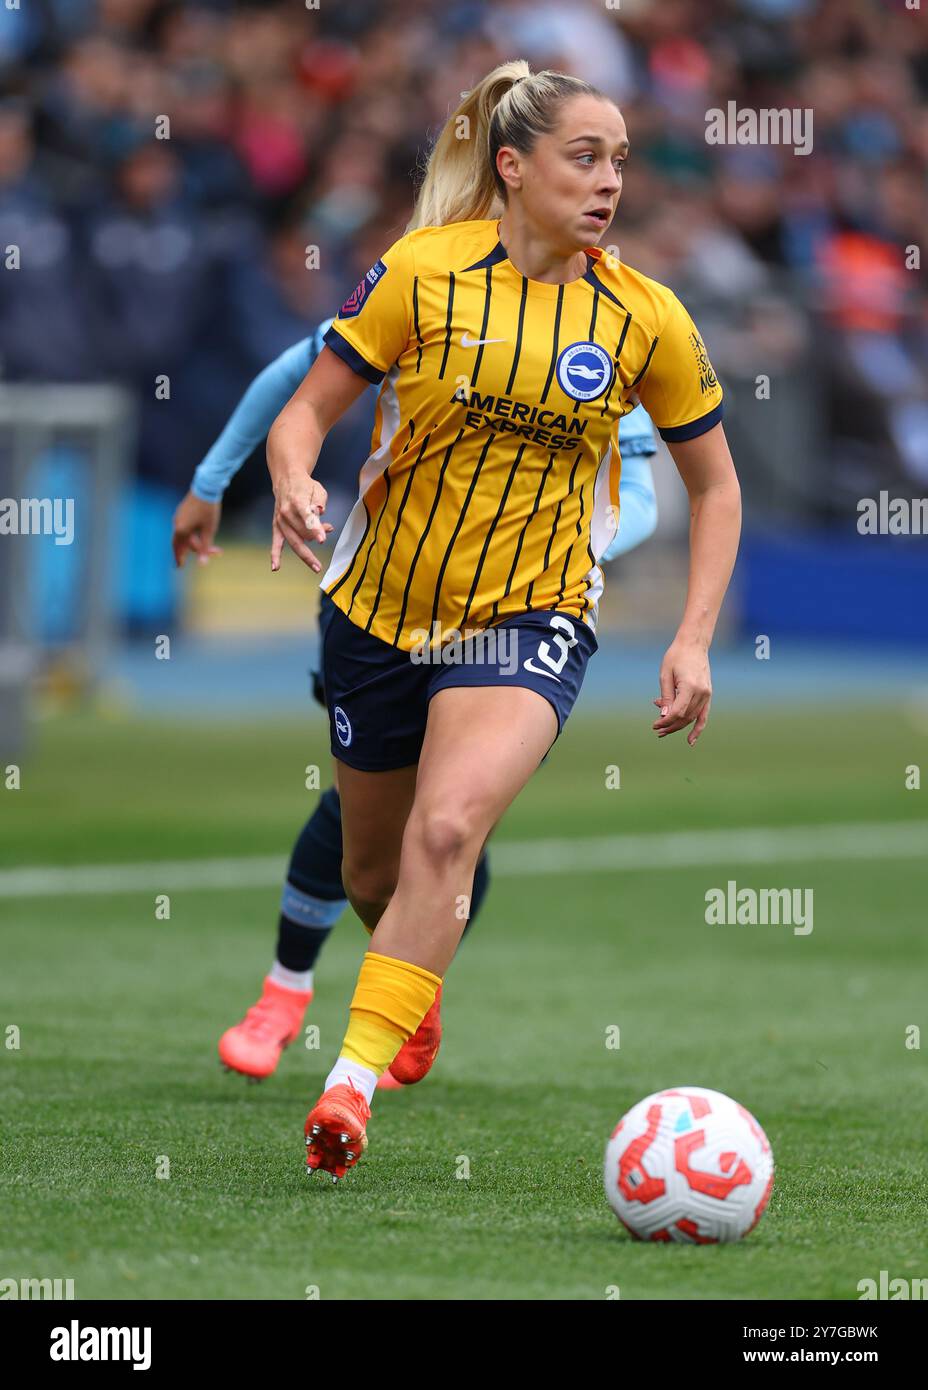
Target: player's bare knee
(369, 884)
(448, 835)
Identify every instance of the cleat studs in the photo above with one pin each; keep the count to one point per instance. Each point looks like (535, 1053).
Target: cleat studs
(343, 1138)
(316, 1130)
(350, 1156)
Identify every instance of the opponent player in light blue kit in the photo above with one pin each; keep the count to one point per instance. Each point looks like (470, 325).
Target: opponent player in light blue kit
(313, 897)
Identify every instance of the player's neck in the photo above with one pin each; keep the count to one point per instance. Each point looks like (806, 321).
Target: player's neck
(534, 257)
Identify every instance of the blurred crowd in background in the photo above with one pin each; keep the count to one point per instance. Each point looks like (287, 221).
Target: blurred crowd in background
(292, 127)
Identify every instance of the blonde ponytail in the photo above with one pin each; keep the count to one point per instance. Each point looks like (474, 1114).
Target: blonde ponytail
(510, 106)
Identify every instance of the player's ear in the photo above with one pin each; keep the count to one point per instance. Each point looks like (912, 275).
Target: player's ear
(509, 165)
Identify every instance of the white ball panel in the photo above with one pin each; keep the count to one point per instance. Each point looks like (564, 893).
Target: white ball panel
(710, 1155)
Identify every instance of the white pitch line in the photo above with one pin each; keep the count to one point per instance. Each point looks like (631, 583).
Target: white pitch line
(682, 849)
(253, 871)
(687, 849)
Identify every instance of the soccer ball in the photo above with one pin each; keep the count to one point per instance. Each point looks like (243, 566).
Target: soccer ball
(690, 1165)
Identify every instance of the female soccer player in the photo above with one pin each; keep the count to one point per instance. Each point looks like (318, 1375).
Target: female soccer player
(313, 897)
(507, 349)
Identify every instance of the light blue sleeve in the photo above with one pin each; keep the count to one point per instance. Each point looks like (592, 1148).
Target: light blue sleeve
(637, 500)
(636, 433)
(253, 416)
(637, 507)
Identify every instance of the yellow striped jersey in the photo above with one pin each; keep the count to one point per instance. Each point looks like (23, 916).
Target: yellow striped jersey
(492, 483)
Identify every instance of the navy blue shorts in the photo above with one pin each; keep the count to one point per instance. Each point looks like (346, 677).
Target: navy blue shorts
(377, 695)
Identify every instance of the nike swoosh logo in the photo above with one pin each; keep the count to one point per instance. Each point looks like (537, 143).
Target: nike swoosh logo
(529, 665)
(467, 341)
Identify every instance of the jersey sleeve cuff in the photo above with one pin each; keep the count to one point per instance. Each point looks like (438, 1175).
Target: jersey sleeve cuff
(206, 489)
(695, 427)
(351, 357)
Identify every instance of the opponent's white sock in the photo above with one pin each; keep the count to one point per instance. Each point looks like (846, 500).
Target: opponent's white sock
(291, 979)
(361, 1078)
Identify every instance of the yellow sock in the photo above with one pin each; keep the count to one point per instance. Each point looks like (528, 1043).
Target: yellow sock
(390, 1000)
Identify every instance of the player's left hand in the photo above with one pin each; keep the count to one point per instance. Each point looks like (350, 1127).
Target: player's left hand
(686, 689)
(298, 504)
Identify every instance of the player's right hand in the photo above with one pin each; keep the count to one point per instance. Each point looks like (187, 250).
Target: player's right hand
(195, 525)
(299, 502)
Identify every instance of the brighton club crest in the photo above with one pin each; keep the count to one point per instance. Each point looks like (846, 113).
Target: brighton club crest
(584, 371)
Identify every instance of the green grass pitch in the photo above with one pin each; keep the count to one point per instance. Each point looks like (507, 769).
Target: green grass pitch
(119, 1013)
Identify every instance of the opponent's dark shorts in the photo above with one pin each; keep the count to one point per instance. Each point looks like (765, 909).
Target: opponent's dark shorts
(377, 695)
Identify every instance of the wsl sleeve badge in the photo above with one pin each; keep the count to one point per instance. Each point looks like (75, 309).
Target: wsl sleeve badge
(358, 297)
(584, 371)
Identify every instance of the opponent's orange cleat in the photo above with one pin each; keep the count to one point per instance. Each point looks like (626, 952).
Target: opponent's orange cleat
(254, 1046)
(336, 1129)
(414, 1059)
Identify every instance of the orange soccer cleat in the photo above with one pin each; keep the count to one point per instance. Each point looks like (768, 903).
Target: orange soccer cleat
(336, 1130)
(414, 1059)
(254, 1046)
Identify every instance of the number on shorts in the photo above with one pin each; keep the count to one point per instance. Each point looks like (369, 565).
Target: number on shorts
(563, 644)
